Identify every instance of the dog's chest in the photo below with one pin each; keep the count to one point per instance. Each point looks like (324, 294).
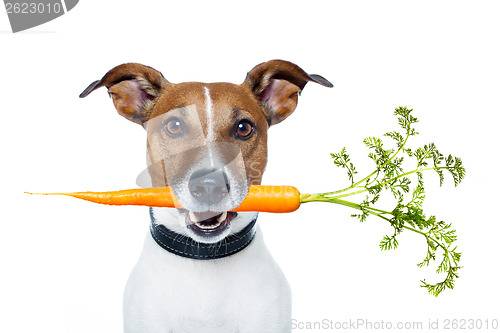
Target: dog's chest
(166, 290)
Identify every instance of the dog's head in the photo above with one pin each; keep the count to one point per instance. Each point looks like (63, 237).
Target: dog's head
(208, 141)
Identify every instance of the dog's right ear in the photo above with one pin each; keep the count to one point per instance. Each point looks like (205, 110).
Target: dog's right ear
(134, 89)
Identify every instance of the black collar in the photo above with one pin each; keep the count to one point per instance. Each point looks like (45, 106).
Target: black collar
(189, 248)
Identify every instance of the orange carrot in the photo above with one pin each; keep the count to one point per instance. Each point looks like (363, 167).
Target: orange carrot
(271, 199)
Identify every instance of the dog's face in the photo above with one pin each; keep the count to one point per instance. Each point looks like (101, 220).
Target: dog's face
(207, 141)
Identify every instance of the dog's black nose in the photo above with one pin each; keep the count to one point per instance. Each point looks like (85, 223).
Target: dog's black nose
(209, 186)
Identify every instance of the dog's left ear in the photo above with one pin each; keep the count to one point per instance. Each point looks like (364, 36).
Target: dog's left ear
(277, 84)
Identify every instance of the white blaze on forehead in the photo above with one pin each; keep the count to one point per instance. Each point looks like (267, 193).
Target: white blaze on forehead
(210, 115)
(210, 124)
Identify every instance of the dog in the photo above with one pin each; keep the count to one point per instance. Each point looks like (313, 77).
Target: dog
(205, 268)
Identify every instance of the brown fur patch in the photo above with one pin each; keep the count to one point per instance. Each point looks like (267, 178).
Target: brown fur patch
(230, 104)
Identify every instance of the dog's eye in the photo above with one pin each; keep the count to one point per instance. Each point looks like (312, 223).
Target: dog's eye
(244, 129)
(174, 127)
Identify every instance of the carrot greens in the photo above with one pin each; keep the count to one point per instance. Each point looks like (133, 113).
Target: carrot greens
(407, 214)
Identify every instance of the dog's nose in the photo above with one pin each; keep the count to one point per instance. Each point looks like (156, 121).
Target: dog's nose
(209, 186)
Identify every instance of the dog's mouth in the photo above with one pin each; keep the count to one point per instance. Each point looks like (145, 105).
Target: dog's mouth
(209, 224)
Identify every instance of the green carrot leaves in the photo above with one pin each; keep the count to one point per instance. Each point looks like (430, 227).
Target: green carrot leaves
(342, 160)
(389, 176)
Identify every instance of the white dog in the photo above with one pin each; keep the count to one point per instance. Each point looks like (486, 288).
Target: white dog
(203, 267)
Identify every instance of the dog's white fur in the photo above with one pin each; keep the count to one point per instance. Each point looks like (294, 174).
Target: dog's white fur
(245, 292)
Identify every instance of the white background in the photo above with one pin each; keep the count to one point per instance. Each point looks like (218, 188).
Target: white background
(65, 262)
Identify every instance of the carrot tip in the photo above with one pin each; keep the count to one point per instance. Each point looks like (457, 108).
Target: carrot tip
(32, 193)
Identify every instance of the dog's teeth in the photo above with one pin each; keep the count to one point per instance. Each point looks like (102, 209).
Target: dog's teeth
(192, 217)
(222, 217)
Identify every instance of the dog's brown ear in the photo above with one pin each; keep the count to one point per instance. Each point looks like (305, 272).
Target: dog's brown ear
(277, 84)
(134, 89)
